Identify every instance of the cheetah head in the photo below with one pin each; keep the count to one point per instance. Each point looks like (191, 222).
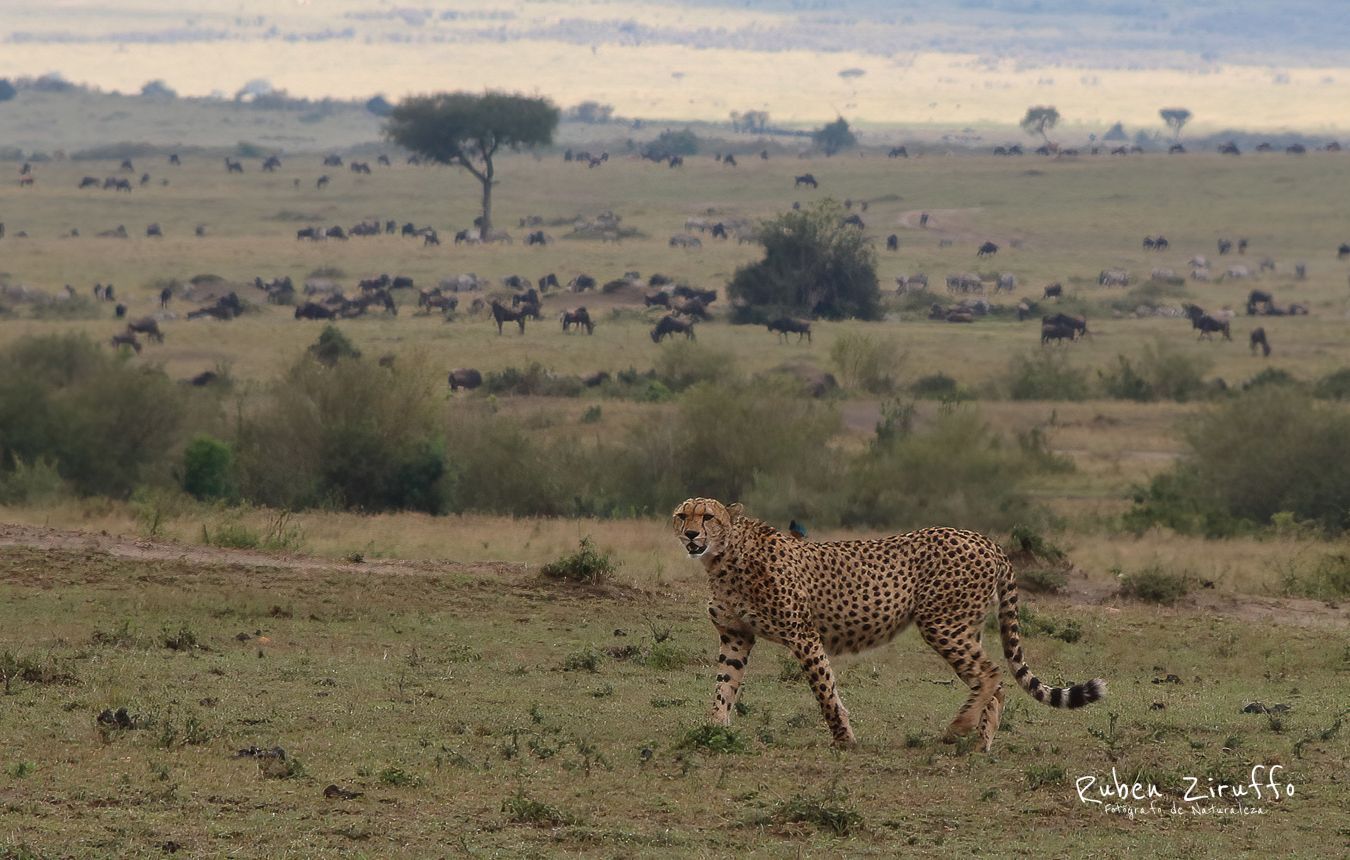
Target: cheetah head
(703, 524)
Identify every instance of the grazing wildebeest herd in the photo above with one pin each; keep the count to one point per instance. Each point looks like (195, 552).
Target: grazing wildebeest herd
(675, 306)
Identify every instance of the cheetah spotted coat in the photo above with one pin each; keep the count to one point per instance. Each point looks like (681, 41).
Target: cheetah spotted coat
(830, 598)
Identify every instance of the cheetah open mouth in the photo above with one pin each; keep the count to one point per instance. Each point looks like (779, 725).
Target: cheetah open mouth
(695, 549)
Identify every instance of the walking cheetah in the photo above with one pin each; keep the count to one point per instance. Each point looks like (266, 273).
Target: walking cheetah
(822, 599)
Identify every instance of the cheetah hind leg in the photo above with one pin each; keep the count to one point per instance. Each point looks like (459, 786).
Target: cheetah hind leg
(962, 650)
(990, 719)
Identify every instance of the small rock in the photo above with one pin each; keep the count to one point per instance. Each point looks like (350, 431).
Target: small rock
(1157, 706)
(1170, 679)
(1254, 708)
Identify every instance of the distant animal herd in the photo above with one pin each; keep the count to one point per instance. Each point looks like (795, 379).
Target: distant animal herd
(685, 306)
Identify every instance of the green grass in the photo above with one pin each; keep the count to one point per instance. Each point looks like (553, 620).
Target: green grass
(434, 734)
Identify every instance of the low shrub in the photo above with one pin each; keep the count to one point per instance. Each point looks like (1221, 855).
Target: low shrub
(587, 565)
(713, 739)
(867, 363)
(1155, 585)
(1333, 386)
(1046, 375)
(828, 812)
(520, 809)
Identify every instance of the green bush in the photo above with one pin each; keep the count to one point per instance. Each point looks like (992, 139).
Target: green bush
(1155, 585)
(103, 421)
(813, 265)
(1268, 451)
(587, 565)
(668, 142)
(1272, 376)
(713, 739)
(867, 363)
(686, 363)
(1046, 375)
(957, 472)
(1162, 372)
(1334, 386)
(1328, 579)
(32, 483)
(535, 380)
(207, 468)
(938, 386)
(354, 435)
(333, 346)
(828, 812)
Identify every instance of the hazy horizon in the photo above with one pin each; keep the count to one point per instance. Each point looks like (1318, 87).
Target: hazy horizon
(1244, 64)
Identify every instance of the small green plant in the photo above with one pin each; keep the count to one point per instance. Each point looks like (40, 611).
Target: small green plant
(587, 660)
(1044, 774)
(399, 778)
(592, 415)
(520, 809)
(182, 639)
(713, 739)
(231, 535)
(587, 565)
(1328, 579)
(1155, 585)
(828, 812)
(668, 655)
(22, 769)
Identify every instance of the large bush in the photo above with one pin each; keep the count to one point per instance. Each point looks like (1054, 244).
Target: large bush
(106, 422)
(1269, 451)
(353, 435)
(957, 472)
(1161, 372)
(1046, 374)
(814, 265)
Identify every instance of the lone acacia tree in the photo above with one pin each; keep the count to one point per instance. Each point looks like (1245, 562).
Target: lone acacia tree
(1175, 119)
(468, 130)
(1038, 119)
(834, 136)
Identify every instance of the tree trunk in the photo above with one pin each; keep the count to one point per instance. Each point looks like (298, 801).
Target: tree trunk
(486, 179)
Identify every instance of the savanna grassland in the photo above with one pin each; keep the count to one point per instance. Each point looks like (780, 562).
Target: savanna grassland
(482, 708)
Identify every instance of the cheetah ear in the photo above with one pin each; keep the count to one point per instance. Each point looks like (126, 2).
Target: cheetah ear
(736, 510)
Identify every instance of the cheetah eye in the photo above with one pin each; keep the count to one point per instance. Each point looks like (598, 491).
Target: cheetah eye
(707, 517)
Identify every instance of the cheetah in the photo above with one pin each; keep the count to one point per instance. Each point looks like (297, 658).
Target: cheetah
(831, 598)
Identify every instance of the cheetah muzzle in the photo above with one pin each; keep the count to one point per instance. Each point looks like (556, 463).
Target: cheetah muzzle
(829, 598)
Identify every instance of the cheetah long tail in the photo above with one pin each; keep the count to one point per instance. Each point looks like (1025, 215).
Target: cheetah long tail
(1073, 696)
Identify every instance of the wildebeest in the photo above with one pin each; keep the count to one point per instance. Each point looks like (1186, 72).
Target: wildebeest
(174, 159)
(1343, 251)
(1077, 324)
(581, 283)
(126, 339)
(1158, 243)
(690, 308)
(502, 314)
(1229, 148)
(153, 230)
(232, 166)
(684, 240)
(271, 163)
(892, 242)
(670, 325)
(787, 325)
(805, 179)
(549, 281)
(336, 232)
(465, 377)
(1176, 149)
(538, 237)
(898, 152)
(322, 181)
(332, 161)
(1242, 246)
(89, 182)
(579, 317)
(1257, 300)
(164, 296)
(719, 230)
(226, 307)
(1225, 245)
(1052, 331)
(311, 233)
(854, 220)
(1207, 325)
(1301, 271)
(146, 326)
(1258, 339)
(658, 298)
(685, 291)
(203, 379)
(987, 249)
(1296, 149)
(314, 311)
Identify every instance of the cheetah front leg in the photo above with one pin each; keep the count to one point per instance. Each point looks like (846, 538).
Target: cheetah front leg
(810, 653)
(731, 661)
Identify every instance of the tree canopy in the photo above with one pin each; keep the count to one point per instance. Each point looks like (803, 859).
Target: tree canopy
(468, 130)
(813, 264)
(1039, 118)
(1175, 118)
(834, 136)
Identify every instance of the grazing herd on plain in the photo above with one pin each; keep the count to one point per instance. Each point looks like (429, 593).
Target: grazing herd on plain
(685, 306)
